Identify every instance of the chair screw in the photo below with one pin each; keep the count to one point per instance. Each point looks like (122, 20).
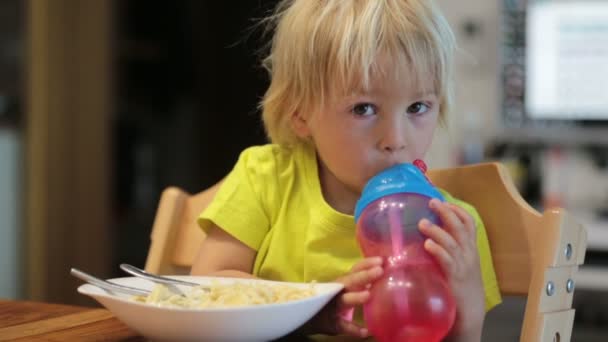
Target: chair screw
(550, 288)
(570, 285)
(568, 251)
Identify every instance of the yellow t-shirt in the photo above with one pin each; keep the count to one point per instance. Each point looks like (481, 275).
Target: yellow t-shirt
(272, 202)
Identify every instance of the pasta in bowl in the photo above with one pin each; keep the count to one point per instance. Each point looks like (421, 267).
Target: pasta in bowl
(224, 309)
(218, 295)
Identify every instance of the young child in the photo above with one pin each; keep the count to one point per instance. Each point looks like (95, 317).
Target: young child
(356, 86)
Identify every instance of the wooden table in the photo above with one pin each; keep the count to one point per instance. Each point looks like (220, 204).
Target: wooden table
(35, 321)
(31, 321)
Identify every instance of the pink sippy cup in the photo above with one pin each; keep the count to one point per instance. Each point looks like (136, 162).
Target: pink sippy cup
(412, 300)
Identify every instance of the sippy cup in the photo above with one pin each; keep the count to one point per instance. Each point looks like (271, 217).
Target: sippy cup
(412, 300)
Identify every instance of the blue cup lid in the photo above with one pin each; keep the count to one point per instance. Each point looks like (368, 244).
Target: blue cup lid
(400, 178)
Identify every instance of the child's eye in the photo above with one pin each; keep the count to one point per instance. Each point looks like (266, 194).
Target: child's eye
(418, 108)
(364, 109)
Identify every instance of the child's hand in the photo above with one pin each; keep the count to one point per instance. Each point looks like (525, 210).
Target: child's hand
(455, 248)
(336, 317)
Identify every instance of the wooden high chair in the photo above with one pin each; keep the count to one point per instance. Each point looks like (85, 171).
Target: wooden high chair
(535, 255)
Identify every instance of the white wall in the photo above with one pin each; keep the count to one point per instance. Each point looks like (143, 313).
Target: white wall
(476, 75)
(10, 207)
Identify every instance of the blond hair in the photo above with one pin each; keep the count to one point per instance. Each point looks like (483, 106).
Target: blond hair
(321, 47)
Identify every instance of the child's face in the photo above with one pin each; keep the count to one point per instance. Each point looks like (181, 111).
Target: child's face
(358, 135)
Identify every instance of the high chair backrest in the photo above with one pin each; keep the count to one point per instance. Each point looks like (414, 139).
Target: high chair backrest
(535, 255)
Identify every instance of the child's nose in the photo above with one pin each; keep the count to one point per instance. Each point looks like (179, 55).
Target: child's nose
(393, 137)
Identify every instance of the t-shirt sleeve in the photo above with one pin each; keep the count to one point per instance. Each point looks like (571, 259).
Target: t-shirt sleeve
(238, 206)
(492, 291)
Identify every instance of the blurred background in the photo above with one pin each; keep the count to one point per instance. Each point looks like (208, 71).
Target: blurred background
(103, 104)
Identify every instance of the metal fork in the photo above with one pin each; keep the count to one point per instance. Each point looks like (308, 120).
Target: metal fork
(169, 282)
(106, 285)
(138, 272)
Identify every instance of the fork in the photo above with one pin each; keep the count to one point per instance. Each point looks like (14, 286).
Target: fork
(138, 272)
(106, 285)
(170, 283)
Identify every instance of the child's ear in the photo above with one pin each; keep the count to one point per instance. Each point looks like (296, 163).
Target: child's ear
(300, 125)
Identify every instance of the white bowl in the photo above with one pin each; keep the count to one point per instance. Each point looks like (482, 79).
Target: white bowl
(250, 323)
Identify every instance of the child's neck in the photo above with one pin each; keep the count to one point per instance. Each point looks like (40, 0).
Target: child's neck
(336, 194)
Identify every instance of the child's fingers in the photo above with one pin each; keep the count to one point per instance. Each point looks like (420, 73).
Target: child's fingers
(359, 280)
(350, 299)
(465, 218)
(367, 263)
(450, 220)
(439, 236)
(445, 260)
(351, 328)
